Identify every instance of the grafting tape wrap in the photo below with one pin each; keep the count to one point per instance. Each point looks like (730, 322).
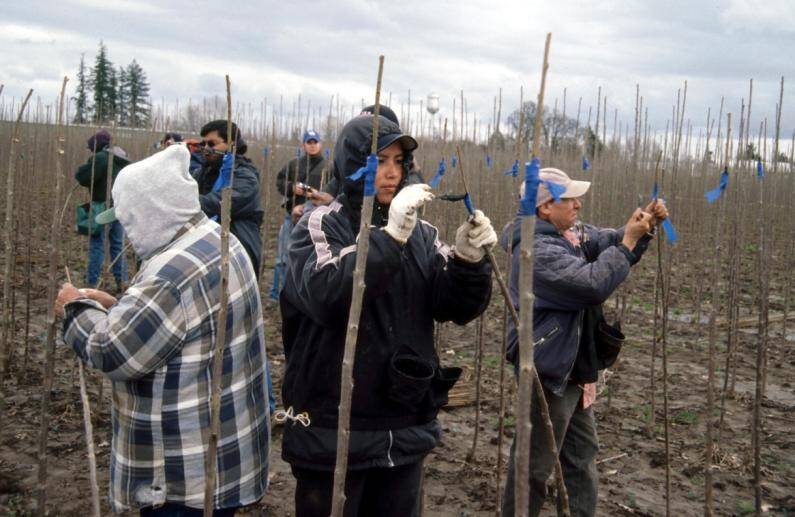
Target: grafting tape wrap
(368, 171)
(531, 181)
(468, 204)
(439, 173)
(667, 225)
(714, 194)
(514, 170)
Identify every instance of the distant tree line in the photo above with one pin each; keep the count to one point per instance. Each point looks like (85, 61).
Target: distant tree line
(106, 94)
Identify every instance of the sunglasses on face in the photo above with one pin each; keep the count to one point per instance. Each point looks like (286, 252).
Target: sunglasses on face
(209, 143)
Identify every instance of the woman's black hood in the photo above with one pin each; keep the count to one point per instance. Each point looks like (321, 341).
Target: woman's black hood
(353, 147)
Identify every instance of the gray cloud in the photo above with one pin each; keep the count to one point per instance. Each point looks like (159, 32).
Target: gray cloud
(320, 49)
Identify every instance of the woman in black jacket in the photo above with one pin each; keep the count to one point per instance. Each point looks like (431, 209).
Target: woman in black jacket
(412, 280)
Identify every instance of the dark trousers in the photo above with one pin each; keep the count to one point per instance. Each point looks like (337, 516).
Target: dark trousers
(177, 510)
(575, 435)
(385, 492)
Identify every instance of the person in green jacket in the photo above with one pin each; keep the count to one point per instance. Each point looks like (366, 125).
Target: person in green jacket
(94, 176)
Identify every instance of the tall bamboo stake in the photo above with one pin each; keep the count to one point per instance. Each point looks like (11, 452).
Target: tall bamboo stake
(713, 328)
(9, 224)
(526, 300)
(89, 430)
(55, 252)
(220, 341)
(354, 316)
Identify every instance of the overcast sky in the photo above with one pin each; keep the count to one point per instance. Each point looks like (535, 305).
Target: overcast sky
(324, 48)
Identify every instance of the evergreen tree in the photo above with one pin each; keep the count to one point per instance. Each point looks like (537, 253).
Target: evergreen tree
(104, 83)
(136, 91)
(123, 98)
(81, 100)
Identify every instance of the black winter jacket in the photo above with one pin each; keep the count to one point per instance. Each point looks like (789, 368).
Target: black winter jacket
(408, 287)
(565, 284)
(99, 163)
(247, 210)
(304, 169)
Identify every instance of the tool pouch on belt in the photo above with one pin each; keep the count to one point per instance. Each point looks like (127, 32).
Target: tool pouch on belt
(609, 339)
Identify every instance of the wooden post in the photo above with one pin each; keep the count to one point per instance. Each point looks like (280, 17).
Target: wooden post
(9, 245)
(526, 300)
(220, 342)
(55, 252)
(346, 387)
(713, 328)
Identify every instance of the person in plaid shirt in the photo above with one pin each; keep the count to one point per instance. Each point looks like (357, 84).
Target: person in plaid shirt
(156, 342)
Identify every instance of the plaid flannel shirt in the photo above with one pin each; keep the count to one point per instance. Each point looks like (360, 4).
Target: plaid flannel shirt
(156, 345)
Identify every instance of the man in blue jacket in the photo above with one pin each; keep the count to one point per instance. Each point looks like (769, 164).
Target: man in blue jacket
(576, 267)
(247, 210)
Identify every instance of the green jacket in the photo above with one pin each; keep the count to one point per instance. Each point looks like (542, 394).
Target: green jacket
(100, 165)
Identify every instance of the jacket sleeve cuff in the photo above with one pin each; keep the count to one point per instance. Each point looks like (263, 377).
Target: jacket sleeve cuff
(631, 257)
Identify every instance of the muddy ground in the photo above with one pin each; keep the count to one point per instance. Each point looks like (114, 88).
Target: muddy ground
(631, 460)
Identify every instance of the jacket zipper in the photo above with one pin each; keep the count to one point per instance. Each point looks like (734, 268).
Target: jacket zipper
(546, 336)
(389, 451)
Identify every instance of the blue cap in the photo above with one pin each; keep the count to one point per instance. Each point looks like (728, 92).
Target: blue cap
(311, 134)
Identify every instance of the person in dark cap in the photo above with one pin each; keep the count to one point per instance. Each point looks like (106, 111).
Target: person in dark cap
(299, 184)
(412, 280)
(247, 210)
(414, 174)
(169, 139)
(94, 176)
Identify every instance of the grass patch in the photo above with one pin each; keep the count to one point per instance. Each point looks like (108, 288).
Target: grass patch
(685, 417)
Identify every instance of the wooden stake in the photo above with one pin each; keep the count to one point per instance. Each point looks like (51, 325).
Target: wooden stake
(55, 252)
(218, 353)
(526, 300)
(9, 245)
(354, 316)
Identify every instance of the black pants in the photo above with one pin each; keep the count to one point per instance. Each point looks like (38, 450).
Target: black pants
(384, 492)
(177, 510)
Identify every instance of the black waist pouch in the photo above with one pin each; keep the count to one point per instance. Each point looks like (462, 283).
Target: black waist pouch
(609, 339)
(409, 378)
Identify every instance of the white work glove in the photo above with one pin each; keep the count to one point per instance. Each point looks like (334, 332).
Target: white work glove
(403, 211)
(473, 237)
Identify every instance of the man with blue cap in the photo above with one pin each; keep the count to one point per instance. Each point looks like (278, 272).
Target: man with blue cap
(299, 182)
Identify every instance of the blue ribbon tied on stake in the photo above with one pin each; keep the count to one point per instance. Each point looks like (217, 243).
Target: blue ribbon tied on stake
(760, 169)
(224, 178)
(328, 153)
(439, 173)
(531, 180)
(714, 194)
(667, 225)
(514, 170)
(586, 165)
(489, 162)
(453, 161)
(265, 151)
(368, 172)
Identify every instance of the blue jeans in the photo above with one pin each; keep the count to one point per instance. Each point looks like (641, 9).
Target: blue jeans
(280, 268)
(96, 254)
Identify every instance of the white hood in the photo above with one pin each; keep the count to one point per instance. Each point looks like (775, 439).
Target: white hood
(156, 197)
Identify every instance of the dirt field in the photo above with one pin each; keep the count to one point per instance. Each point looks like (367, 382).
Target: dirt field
(631, 462)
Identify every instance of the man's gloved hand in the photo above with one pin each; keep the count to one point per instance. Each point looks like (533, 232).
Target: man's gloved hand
(473, 236)
(403, 211)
